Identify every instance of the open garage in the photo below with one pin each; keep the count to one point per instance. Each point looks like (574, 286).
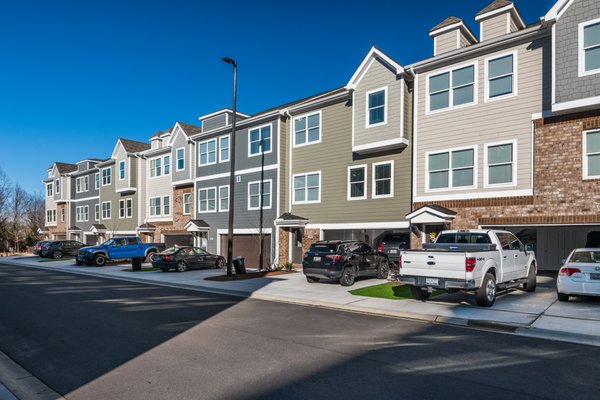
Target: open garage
(179, 239)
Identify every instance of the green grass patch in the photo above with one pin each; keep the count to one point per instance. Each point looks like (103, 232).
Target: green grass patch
(147, 269)
(58, 259)
(389, 290)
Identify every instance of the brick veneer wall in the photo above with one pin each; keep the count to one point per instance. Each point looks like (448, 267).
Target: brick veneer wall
(560, 196)
(179, 220)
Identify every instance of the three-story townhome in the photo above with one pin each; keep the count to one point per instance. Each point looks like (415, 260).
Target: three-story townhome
(475, 102)
(84, 204)
(256, 178)
(58, 187)
(348, 160)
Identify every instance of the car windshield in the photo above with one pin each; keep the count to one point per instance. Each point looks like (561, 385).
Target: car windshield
(323, 247)
(464, 237)
(171, 250)
(108, 242)
(585, 256)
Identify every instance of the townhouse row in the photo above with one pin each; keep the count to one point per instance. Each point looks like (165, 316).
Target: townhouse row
(499, 131)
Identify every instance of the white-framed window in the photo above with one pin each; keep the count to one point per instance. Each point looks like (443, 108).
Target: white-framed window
(62, 215)
(122, 167)
(207, 200)
(383, 180)
(259, 140)
(207, 152)
(106, 210)
(452, 88)
(224, 148)
(57, 185)
(97, 180)
(122, 208)
(307, 129)
(187, 203)
(82, 184)
(180, 156)
(500, 164)
(97, 212)
(82, 213)
(106, 176)
(589, 47)
(155, 206)
(451, 169)
(307, 188)
(50, 216)
(376, 108)
(167, 205)
(501, 76)
(49, 192)
(357, 182)
(259, 195)
(129, 208)
(591, 151)
(155, 167)
(167, 165)
(224, 198)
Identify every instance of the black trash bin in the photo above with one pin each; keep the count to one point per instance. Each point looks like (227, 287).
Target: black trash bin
(240, 267)
(136, 264)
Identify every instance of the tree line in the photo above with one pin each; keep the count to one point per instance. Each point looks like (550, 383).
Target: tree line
(21, 216)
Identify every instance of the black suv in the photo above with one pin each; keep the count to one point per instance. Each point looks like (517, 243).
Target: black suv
(60, 248)
(344, 260)
(392, 243)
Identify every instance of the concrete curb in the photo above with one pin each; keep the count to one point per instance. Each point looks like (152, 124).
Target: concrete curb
(498, 327)
(22, 384)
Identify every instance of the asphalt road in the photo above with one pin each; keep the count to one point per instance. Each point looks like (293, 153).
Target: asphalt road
(93, 338)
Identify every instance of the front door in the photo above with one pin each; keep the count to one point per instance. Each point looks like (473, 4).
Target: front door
(297, 236)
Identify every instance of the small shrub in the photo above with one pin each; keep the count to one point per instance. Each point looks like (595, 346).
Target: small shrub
(288, 266)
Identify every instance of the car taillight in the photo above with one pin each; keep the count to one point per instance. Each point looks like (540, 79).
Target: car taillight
(166, 258)
(470, 264)
(336, 257)
(380, 248)
(565, 271)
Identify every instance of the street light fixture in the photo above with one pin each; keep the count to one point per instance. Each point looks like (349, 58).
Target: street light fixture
(232, 171)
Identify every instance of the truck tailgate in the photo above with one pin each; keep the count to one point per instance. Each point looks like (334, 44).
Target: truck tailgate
(435, 264)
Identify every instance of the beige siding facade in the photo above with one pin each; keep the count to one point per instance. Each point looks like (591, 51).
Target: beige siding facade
(495, 26)
(446, 42)
(501, 120)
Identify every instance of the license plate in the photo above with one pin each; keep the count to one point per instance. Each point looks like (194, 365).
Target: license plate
(431, 281)
(317, 259)
(595, 277)
(393, 251)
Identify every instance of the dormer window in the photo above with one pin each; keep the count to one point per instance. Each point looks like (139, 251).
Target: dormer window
(589, 48)
(377, 107)
(57, 185)
(122, 170)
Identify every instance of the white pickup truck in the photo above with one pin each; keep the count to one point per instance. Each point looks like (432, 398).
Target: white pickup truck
(482, 261)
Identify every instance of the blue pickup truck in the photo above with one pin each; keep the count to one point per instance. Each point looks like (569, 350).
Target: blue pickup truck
(120, 248)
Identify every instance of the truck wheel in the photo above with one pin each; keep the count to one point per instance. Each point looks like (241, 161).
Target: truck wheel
(531, 279)
(181, 266)
(99, 260)
(562, 296)
(311, 279)
(348, 276)
(384, 270)
(419, 293)
(149, 256)
(485, 296)
(57, 255)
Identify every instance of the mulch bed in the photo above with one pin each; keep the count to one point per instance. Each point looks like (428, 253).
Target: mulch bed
(249, 275)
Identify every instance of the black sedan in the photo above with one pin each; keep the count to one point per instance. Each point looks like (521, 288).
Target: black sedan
(183, 258)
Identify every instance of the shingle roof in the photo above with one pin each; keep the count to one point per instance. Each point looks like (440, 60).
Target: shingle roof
(147, 226)
(189, 129)
(291, 217)
(132, 146)
(99, 226)
(200, 223)
(74, 228)
(494, 6)
(448, 21)
(64, 168)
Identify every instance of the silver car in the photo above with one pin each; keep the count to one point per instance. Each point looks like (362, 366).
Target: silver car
(580, 274)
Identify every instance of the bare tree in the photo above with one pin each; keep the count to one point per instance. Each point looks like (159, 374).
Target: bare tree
(17, 216)
(5, 195)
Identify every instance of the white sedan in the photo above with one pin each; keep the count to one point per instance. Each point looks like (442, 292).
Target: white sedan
(579, 275)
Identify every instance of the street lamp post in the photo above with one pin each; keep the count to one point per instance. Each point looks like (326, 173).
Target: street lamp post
(232, 172)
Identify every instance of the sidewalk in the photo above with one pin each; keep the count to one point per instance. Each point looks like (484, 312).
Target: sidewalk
(536, 314)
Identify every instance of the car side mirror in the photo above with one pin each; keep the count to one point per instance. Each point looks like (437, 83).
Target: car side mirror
(529, 247)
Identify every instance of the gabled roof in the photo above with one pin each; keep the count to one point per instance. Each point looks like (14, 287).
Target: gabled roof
(290, 220)
(197, 225)
(223, 111)
(447, 22)
(74, 228)
(431, 213)
(451, 23)
(499, 6)
(290, 217)
(189, 129)
(374, 53)
(64, 168)
(130, 146)
(496, 4)
(557, 10)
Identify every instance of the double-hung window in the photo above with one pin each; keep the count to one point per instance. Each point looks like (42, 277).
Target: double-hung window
(97, 180)
(376, 107)
(501, 76)
(155, 206)
(128, 208)
(500, 164)
(180, 155)
(589, 47)
(307, 129)
(106, 177)
(50, 216)
(208, 152)
(224, 148)
(383, 179)
(62, 215)
(259, 195)
(451, 89)
(106, 210)
(155, 167)
(451, 169)
(86, 213)
(97, 212)
(307, 188)
(122, 170)
(357, 183)
(591, 166)
(167, 205)
(187, 203)
(57, 186)
(121, 208)
(207, 200)
(49, 190)
(82, 184)
(259, 140)
(223, 198)
(167, 165)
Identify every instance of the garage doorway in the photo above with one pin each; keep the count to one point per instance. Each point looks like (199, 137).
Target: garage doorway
(248, 246)
(179, 240)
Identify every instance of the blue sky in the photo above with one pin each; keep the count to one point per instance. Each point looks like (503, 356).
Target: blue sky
(77, 75)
